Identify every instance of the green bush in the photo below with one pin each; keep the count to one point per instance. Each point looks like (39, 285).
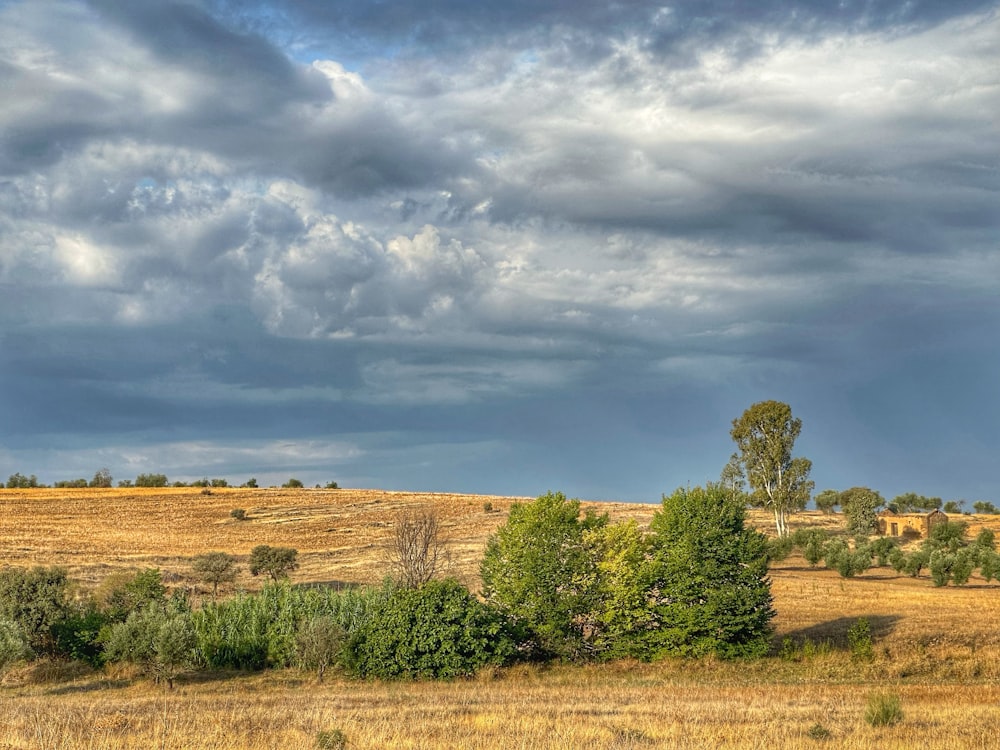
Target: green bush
(239, 514)
(883, 710)
(13, 644)
(859, 639)
(277, 562)
(437, 631)
(37, 600)
(159, 639)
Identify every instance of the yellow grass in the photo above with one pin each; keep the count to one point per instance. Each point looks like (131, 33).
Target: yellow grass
(938, 649)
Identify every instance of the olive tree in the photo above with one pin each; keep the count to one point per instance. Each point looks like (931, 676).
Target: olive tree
(861, 506)
(215, 568)
(276, 562)
(765, 435)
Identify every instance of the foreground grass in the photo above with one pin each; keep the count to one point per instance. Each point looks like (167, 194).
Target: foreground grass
(618, 706)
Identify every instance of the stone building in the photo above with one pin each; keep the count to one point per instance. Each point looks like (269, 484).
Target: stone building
(915, 525)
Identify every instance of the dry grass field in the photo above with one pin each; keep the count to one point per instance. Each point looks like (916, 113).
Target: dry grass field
(937, 649)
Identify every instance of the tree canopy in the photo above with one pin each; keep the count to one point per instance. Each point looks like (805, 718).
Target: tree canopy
(765, 435)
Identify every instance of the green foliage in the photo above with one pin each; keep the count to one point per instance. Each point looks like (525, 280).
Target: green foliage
(779, 548)
(78, 635)
(159, 639)
(332, 486)
(215, 568)
(13, 643)
(984, 507)
(70, 483)
(948, 536)
(953, 506)
(151, 480)
(538, 571)
(709, 577)
(239, 514)
(621, 617)
(859, 640)
(102, 478)
(292, 483)
(861, 505)
(319, 643)
(883, 710)
(36, 600)
(20, 482)
(276, 562)
(119, 595)
(251, 483)
(811, 542)
(911, 502)
(436, 631)
(827, 501)
(838, 555)
(765, 435)
(253, 631)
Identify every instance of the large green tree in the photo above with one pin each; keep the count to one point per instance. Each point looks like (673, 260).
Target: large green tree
(710, 591)
(540, 571)
(765, 436)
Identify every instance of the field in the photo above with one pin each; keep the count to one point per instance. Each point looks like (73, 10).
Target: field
(937, 649)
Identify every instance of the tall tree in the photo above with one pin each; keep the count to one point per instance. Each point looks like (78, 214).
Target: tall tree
(710, 589)
(765, 436)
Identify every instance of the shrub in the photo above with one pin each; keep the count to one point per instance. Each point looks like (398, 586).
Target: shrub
(436, 631)
(36, 600)
(332, 486)
(818, 732)
(859, 639)
(239, 514)
(161, 642)
(416, 548)
(293, 483)
(121, 594)
(883, 710)
(319, 644)
(13, 644)
(331, 739)
(779, 548)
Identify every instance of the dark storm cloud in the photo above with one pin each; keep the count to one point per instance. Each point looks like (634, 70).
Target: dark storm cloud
(457, 243)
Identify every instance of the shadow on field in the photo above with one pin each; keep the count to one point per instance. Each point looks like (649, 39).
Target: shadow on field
(834, 632)
(89, 687)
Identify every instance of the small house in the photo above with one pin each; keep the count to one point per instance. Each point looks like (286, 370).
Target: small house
(916, 525)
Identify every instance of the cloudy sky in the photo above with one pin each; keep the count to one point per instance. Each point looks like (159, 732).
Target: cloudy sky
(500, 247)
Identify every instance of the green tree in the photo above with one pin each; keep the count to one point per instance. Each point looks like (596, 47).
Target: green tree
(710, 589)
(827, 501)
(20, 482)
(151, 480)
(125, 592)
(13, 644)
(984, 507)
(276, 562)
(622, 616)
(102, 479)
(293, 483)
(215, 568)
(319, 644)
(539, 571)
(765, 435)
(861, 506)
(159, 640)
(953, 506)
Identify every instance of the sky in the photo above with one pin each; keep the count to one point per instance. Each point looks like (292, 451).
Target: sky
(501, 248)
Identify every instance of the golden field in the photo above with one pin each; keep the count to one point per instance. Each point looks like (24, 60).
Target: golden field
(937, 649)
